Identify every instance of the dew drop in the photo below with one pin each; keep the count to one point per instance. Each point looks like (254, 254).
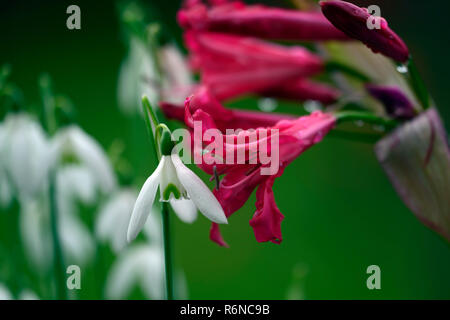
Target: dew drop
(267, 104)
(402, 68)
(312, 105)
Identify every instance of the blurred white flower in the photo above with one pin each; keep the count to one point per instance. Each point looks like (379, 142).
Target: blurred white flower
(4, 293)
(137, 72)
(138, 76)
(73, 143)
(175, 181)
(24, 155)
(114, 216)
(140, 266)
(27, 294)
(177, 78)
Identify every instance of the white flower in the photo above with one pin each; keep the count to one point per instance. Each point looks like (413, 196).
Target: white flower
(24, 154)
(175, 181)
(72, 142)
(141, 266)
(135, 74)
(4, 293)
(5, 189)
(114, 216)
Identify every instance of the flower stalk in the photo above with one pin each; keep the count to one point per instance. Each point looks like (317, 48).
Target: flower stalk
(167, 251)
(50, 126)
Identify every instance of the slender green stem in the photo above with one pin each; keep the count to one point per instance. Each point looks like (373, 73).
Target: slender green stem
(366, 117)
(167, 250)
(57, 251)
(417, 84)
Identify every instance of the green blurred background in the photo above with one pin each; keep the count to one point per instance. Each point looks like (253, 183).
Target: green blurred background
(341, 213)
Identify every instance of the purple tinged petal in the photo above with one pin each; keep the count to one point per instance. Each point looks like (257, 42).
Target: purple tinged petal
(396, 103)
(416, 158)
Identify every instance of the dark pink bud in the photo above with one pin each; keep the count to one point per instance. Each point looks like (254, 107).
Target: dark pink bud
(353, 21)
(259, 21)
(396, 103)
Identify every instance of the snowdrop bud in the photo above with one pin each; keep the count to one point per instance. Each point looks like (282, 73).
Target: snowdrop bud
(416, 158)
(25, 155)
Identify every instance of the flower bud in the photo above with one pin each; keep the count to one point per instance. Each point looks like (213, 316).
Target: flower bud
(416, 158)
(395, 102)
(353, 21)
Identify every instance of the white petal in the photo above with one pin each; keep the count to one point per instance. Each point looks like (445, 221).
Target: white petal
(4, 293)
(144, 202)
(169, 177)
(202, 197)
(140, 266)
(113, 219)
(75, 141)
(27, 294)
(185, 209)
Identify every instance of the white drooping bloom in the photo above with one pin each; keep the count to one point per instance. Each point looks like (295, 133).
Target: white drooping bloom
(175, 181)
(26, 294)
(4, 293)
(141, 266)
(24, 155)
(177, 78)
(135, 76)
(112, 221)
(77, 242)
(73, 143)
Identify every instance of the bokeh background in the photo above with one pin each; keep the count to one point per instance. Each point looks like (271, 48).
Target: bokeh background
(341, 213)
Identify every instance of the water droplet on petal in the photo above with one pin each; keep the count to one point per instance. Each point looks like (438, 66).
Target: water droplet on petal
(267, 104)
(402, 68)
(312, 105)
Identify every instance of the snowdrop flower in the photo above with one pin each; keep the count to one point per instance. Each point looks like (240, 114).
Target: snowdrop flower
(24, 154)
(114, 216)
(4, 293)
(73, 143)
(140, 265)
(134, 76)
(175, 182)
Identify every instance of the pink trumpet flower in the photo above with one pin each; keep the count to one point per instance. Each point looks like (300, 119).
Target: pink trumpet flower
(302, 90)
(240, 178)
(232, 65)
(224, 118)
(355, 21)
(258, 21)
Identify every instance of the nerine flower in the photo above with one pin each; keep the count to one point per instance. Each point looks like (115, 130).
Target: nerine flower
(240, 179)
(258, 21)
(353, 21)
(176, 182)
(232, 65)
(224, 118)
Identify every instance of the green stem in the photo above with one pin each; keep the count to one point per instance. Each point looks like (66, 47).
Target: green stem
(57, 252)
(346, 116)
(418, 85)
(167, 250)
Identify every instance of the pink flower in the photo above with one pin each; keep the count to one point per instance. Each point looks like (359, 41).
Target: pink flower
(259, 21)
(302, 90)
(224, 118)
(353, 20)
(239, 180)
(232, 65)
